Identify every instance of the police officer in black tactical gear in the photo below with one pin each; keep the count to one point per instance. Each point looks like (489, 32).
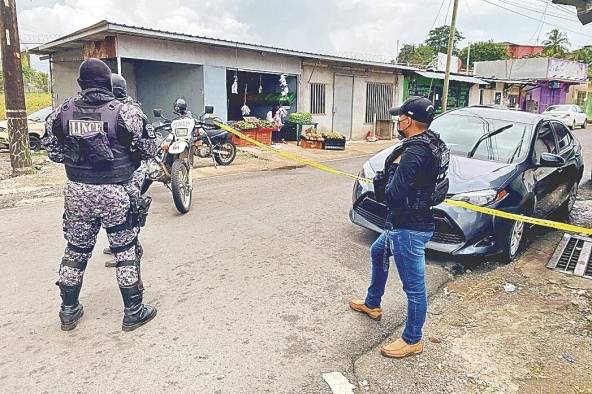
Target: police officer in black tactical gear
(93, 135)
(414, 180)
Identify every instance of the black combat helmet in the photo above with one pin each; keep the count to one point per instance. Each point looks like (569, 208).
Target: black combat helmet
(94, 73)
(180, 106)
(119, 86)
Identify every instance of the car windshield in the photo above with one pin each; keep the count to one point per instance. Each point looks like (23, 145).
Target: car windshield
(41, 115)
(496, 140)
(558, 108)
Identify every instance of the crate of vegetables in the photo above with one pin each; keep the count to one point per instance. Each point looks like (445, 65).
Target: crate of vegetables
(311, 139)
(333, 141)
(249, 129)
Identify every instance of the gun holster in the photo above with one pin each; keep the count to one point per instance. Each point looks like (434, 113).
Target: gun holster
(139, 211)
(380, 180)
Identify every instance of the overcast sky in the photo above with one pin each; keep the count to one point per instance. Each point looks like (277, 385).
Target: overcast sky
(361, 28)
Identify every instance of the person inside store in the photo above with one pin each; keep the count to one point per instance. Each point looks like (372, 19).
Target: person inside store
(275, 116)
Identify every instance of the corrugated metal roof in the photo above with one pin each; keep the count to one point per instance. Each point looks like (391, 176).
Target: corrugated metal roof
(453, 77)
(104, 27)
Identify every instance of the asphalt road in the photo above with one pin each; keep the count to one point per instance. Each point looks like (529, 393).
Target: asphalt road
(252, 288)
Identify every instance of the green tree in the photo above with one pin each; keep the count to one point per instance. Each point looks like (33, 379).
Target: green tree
(438, 40)
(584, 55)
(556, 44)
(420, 55)
(406, 54)
(483, 51)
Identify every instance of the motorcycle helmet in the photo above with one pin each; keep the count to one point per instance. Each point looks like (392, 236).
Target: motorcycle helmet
(180, 106)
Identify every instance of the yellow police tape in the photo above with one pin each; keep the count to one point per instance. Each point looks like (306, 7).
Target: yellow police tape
(460, 204)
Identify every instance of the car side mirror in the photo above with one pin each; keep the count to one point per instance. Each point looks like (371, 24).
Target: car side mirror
(551, 160)
(209, 109)
(157, 112)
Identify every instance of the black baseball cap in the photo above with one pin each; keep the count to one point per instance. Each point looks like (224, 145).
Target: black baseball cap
(417, 108)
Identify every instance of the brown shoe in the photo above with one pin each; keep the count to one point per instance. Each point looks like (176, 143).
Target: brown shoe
(360, 306)
(400, 349)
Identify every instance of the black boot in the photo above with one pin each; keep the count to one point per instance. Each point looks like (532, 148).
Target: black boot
(71, 310)
(136, 314)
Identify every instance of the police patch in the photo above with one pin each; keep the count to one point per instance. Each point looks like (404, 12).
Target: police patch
(80, 128)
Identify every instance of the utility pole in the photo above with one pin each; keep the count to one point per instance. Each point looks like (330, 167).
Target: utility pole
(14, 92)
(468, 58)
(449, 58)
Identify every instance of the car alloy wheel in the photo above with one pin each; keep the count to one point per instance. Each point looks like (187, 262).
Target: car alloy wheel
(516, 238)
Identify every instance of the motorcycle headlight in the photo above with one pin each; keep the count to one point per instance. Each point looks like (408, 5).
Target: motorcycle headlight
(481, 197)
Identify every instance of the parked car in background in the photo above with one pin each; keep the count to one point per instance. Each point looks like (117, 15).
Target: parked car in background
(571, 115)
(36, 124)
(517, 162)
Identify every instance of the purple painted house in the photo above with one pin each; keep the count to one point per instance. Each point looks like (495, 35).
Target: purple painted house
(546, 81)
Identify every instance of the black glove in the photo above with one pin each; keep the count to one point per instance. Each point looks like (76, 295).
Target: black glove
(380, 180)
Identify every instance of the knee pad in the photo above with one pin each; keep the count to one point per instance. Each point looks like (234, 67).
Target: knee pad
(71, 272)
(128, 273)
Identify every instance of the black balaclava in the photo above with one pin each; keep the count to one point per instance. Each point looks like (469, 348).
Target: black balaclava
(94, 73)
(119, 86)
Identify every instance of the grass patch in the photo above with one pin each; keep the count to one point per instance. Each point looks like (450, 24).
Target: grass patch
(33, 101)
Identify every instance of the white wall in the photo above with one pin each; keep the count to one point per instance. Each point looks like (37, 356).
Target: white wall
(190, 53)
(513, 68)
(64, 75)
(325, 74)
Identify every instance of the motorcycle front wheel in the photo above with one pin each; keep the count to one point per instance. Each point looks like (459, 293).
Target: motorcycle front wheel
(181, 185)
(229, 154)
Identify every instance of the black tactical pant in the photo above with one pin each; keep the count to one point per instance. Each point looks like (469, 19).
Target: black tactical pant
(87, 208)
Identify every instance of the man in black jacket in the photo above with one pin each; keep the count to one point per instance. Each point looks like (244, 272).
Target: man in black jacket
(416, 178)
(95, 136)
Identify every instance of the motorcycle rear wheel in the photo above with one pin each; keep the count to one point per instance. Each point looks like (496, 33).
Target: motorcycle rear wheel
(227, 158)
(181, 186)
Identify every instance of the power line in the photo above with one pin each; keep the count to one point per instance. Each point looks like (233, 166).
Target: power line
(518, 5)
(438, 15)
(535, 19)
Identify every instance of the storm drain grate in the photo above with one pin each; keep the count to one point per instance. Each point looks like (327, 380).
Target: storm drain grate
(573, 256)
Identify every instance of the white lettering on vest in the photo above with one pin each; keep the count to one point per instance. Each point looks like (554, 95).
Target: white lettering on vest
(81, 128)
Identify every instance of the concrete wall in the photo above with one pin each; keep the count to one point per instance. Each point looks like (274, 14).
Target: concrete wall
(325, 74)
(158, 84)
(189, 53)
(513, 69)
(129, 73)
(214, 90)
(64, 70)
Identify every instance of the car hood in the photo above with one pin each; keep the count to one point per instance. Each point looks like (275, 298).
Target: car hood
(465, 174)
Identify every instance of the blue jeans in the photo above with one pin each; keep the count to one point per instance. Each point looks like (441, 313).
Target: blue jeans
(408, 249)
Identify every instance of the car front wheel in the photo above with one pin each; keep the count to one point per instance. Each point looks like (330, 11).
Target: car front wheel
(514, 242)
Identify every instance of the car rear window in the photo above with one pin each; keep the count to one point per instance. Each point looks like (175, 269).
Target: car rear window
(474, 136)
(563, 108)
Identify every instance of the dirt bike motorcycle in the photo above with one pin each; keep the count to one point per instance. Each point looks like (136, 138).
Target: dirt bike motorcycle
(173, 162)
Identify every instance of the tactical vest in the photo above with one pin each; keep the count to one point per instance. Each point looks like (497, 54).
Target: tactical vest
(92, 151)
(424, 195)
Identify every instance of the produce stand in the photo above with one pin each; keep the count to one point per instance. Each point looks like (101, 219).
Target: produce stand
(299, 120)
(258, 130)
(333, 141)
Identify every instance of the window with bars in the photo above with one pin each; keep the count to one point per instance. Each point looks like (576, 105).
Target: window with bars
(379, 99)
(317, 98)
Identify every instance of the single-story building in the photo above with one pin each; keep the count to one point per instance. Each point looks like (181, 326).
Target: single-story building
(343, 94)
(538, 82)
(430, 84)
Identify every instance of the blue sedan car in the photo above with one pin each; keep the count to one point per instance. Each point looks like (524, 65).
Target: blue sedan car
(513, 161)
